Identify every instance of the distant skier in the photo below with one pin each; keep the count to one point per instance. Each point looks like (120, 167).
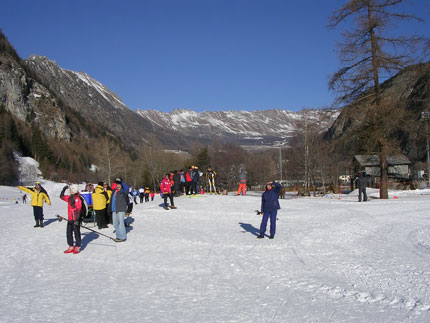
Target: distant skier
(242, 183)
(38, 196)
(100, 201)
(269, 208)
(195, 175)
(166, 190)
(362, 182)
(75, 205)
(210, 175)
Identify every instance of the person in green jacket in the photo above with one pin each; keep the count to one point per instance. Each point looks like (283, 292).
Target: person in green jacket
(38, 196)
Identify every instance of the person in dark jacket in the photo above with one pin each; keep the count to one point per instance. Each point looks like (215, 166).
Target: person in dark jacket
(362, 182)
(269, 208)
(196, 177)
(176, 183)
(119, 204)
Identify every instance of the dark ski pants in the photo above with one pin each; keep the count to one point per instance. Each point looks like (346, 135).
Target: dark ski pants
(38, 213)
(101, 218)
(189, 188)
(272, 215)
(141, 197)
(73, 229)
(129, 208)
(360, 192)
(170, 196)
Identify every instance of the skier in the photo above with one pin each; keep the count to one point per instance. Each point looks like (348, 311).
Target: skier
(189, 181)
(24, 199)
(242, 183)
(196, 177)
(38, 196)
(75, 205)
(141, 193)
(147, 193)
(100, 201)
(362, 184)
(177, 183)
(210, 175)
(118, 206)
(166, 190)
(269, 208)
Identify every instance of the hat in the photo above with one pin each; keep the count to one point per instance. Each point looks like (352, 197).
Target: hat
(74, 188)
(37, 183)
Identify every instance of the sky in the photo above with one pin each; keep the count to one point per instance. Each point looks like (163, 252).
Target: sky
(203, 55)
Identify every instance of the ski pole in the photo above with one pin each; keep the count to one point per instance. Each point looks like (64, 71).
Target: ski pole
(60, 218)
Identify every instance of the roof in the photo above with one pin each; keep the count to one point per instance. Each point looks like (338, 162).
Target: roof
(373, 160)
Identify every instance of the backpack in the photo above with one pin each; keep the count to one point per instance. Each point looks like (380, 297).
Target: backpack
(84, 208)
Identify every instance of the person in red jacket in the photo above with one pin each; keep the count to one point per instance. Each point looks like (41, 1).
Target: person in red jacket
(188, 181)
(166, 190)
(74, 208)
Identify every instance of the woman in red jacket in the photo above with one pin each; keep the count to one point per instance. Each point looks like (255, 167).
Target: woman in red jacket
(166, 190)
(74, 207)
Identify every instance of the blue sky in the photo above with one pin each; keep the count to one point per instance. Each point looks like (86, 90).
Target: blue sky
(197, 54)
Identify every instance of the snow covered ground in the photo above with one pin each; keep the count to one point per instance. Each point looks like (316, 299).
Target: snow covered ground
(332, 260)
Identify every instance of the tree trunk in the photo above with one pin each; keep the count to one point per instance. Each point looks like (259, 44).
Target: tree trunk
(384, 171)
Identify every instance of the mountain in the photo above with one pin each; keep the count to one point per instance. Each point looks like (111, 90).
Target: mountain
(94, 101)
(256, 129)
(406, 95)
(178, 129)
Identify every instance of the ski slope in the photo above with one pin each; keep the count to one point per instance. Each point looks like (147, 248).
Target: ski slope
(332, 260)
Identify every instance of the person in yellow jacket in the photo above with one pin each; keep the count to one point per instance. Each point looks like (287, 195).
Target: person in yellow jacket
(101, 199)
(38, 196)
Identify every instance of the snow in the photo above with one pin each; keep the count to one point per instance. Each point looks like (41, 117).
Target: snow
(332, 260)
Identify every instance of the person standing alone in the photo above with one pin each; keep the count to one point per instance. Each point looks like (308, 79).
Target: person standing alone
(38, 196)
(269, 208)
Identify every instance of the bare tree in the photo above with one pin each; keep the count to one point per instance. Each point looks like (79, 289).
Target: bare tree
(370, 54)
(109, 159)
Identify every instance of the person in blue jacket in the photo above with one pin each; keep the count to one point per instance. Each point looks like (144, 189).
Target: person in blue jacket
(269, 208)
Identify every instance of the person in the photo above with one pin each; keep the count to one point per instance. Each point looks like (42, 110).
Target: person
(182, 174)
(141, 194)
(147, 193)
(135, 194)
(24, 199)
(166, 190)
(118, 206)
(100, 202)
(152, 195)
(130, 201)
(38, 197)
(75, 213)
(176, 183)
(189, 181)
(362, 181)
(269, 208)
(242, 183)
(196, 177)
(210, 175)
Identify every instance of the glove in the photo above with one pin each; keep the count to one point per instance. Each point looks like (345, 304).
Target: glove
(65, 187)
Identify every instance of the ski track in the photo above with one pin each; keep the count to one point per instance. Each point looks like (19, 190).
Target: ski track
(332, 260)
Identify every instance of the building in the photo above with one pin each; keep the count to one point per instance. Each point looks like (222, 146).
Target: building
(399, 166)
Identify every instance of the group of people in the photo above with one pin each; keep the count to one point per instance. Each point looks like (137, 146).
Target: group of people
(112, 204)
